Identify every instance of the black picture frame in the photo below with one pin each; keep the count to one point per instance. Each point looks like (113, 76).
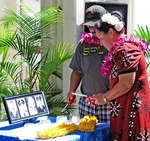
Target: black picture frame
(25, 106)
(110, 6)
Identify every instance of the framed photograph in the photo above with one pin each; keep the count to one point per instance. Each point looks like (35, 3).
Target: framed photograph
(111, 6)
(25, 106)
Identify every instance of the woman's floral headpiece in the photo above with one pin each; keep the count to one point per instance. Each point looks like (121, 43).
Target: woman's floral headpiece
(111, 19)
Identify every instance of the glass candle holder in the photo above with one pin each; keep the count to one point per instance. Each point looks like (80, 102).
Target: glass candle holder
(75, 119)
(61, 119)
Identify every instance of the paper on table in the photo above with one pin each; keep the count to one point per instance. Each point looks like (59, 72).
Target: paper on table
(26, 132)
(30, 131)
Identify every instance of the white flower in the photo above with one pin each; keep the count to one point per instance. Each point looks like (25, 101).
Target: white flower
(111, 19)
(106, 17)
(119, 26)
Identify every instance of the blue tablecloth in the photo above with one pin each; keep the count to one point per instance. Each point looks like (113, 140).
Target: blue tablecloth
(17, 132)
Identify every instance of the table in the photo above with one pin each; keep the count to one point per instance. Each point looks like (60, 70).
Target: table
(27, 132)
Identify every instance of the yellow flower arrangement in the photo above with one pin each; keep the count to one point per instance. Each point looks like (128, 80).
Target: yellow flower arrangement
(88, 123)
(57, 131)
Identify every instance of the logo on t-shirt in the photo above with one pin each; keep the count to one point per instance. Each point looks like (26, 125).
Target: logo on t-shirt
(87, 51)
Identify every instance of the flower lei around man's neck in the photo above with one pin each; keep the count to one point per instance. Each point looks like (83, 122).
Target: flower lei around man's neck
(107, 64)
(90, 39)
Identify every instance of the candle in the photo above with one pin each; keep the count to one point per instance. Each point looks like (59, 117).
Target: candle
(75, 119)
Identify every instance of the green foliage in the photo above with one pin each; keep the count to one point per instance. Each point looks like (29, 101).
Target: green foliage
(144, 33)
(31, 67)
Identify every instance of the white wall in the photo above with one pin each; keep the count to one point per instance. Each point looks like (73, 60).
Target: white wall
(34, 4)
(141, 17)
(8, 3)
(141, 13)
(138, 13)
(72, 29)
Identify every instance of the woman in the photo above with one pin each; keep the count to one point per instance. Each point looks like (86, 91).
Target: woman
(32, 106)
(129, 94)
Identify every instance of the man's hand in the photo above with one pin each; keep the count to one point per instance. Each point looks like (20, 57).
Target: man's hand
(71, 99)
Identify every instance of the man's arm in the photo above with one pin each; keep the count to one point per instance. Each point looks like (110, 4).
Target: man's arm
(75, 80)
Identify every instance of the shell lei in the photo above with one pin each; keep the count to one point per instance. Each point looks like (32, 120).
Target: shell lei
(107, 63)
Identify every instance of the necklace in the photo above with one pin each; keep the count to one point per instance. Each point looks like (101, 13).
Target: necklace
(90, 39)
(107, 63)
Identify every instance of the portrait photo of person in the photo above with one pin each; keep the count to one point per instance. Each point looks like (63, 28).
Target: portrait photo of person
(31, 105)
(40, 104)
(14, 113)
(22, 108)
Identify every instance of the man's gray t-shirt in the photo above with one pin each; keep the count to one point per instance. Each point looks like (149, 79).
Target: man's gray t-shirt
(88, 60)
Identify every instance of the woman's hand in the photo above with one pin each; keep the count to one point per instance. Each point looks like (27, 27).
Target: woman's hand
(90, 101)
(96, 99)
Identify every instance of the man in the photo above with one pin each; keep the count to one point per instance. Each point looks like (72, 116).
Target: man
(40, 104)
(23, 108)
(14, 114)
(86, 65)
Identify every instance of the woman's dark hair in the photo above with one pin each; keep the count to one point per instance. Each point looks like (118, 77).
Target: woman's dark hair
(104, 26)
(117, 14)
(38, 98)
(21, 102)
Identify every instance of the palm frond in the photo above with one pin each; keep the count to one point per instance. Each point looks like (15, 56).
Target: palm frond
(4, 35)
(55, 57)
(144, 33)
(26, 36)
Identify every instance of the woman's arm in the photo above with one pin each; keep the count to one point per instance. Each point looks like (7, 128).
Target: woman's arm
(125, 83)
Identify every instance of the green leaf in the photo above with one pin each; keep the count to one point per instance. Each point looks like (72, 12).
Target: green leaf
(37, 56)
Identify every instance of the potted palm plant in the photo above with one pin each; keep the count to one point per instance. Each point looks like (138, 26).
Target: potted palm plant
(23, 33)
